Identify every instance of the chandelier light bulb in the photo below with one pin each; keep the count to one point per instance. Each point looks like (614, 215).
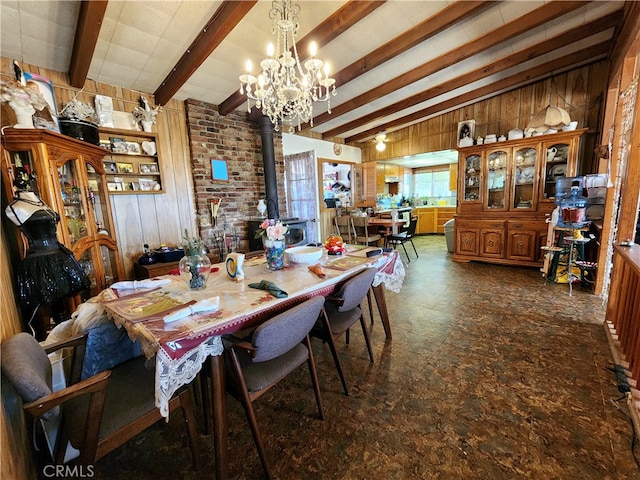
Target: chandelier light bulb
(286, 87)
(381, 146)
(248, 66)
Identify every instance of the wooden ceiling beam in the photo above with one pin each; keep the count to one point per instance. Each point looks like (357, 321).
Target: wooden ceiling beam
(343, 19)
(533, 19)
(90, 20)
(215, 31)
(535, 74)
(511, 60)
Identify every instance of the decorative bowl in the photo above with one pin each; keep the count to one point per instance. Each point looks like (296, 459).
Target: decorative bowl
(303, 254)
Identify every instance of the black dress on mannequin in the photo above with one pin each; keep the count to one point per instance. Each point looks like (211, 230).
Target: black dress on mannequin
(49, 272)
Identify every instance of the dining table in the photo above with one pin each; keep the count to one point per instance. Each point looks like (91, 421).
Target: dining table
(389, 224)
(182, 346)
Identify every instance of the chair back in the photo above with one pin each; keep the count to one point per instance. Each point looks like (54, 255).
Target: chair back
(344, 227)
(27, 366)
(412, 227)
(281, 333)
(354, 290)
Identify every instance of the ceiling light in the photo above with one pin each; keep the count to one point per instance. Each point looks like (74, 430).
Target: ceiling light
(380, 139)
(286, 89)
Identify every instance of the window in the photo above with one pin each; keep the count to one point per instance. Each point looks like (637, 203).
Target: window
(431, 182)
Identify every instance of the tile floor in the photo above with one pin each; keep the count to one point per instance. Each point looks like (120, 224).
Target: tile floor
(490, 375)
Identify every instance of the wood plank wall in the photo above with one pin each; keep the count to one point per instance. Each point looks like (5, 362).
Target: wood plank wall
(147, 218)
(580, 92)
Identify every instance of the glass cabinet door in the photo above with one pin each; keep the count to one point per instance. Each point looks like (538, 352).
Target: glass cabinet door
(496, 181)
(524, 178)
(555, 158)
(97, 195)
(472, 171)
(74, 215)
(109, 262)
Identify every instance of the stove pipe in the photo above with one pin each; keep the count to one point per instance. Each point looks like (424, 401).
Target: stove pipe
(269, 165)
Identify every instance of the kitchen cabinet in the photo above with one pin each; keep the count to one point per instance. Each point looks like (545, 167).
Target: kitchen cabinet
(70, 178)
(509, 187)
(453, 177)
(443, 215)
(426, 220)
(132, 164)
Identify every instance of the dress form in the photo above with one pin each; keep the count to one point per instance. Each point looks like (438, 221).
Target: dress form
(25, 204)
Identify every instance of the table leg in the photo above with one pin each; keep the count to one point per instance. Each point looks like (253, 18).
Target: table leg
(378, 293)
(219, 408)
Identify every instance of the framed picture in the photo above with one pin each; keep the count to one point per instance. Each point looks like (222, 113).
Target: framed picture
(118, 145)
(133, 148)
(110, 167)
(466, 133)
(46, 118)
(146, 185)
(125, 167)
(93, 185)
(219, 171)
(148, 168)
(127, 186)
(106, 144)
(115, 186)
(135, 186)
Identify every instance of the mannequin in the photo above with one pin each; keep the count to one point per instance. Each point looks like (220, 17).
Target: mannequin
(49, 272)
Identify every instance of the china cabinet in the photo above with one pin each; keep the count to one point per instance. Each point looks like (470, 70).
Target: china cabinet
(131, 162)
(70, 178)
(505, 191)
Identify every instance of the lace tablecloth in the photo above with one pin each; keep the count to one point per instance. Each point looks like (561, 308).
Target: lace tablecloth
(181, 347)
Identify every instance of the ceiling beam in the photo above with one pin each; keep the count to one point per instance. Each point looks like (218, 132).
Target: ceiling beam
(90, 20)
(534, 74)
(223, 21)
(533, 19)
(511, 60)
(343, 19)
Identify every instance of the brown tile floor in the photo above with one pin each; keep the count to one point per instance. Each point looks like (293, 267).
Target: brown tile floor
(490, 375)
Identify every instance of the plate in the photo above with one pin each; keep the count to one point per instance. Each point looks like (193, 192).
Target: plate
(557, 171)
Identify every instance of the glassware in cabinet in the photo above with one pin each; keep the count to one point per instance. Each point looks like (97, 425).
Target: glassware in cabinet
(524, 177)
(495, 192)
(472, 176)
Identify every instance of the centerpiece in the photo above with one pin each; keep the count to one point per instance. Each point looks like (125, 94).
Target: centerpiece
(273, 237)
(195, 266)
(145, 114)
(23, 100)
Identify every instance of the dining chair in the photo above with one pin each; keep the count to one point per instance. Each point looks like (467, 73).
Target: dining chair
(95, 415)
(273, 350)
(344, 227)
(342, 310)
(405, 236)
(363, 235)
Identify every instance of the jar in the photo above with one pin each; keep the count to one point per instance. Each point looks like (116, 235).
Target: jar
(195, 270)
(274, 252)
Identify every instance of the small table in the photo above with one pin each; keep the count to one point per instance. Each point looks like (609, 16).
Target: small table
(390, 225)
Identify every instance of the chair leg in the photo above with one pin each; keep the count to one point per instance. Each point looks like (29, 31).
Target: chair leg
(187, 405)
(370, 305)
(366, 337)
(414, 247)
(314, 377)
(405, 252)
(203, 376)
(247, 404)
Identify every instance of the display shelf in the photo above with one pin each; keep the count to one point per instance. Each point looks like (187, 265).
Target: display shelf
(131, 162)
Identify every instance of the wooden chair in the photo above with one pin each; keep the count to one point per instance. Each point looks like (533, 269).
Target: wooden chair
(274, 350)
(343, 310)
(405, 236)
(361, 227)
(97, 414)
(344, 227)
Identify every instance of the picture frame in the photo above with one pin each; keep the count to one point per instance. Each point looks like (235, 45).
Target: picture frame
(219, 170)
(146, 184)
(133, 148)
(106, 144)
(124, 167)
(148, 168)
(118, 145)
(466, 133)
(43, 119)
(127, 186)
(93, 185)
(110, 167)
(135, 186)
(115, 186)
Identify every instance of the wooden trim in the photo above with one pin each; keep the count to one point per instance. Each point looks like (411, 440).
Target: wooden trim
(89, 22)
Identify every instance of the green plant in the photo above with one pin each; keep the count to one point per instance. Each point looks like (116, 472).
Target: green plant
(192, 245)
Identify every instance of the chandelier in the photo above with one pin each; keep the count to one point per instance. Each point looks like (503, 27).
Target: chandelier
(286, 89)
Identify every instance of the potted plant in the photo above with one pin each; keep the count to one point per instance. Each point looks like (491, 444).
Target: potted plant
(78, 120)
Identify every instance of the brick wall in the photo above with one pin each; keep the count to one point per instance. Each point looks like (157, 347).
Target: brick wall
(237, 140)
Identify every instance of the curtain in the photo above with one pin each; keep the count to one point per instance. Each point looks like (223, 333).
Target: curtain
(301, 189)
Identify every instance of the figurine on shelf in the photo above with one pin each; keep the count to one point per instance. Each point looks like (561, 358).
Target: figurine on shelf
(49, 271)
(145, 114)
